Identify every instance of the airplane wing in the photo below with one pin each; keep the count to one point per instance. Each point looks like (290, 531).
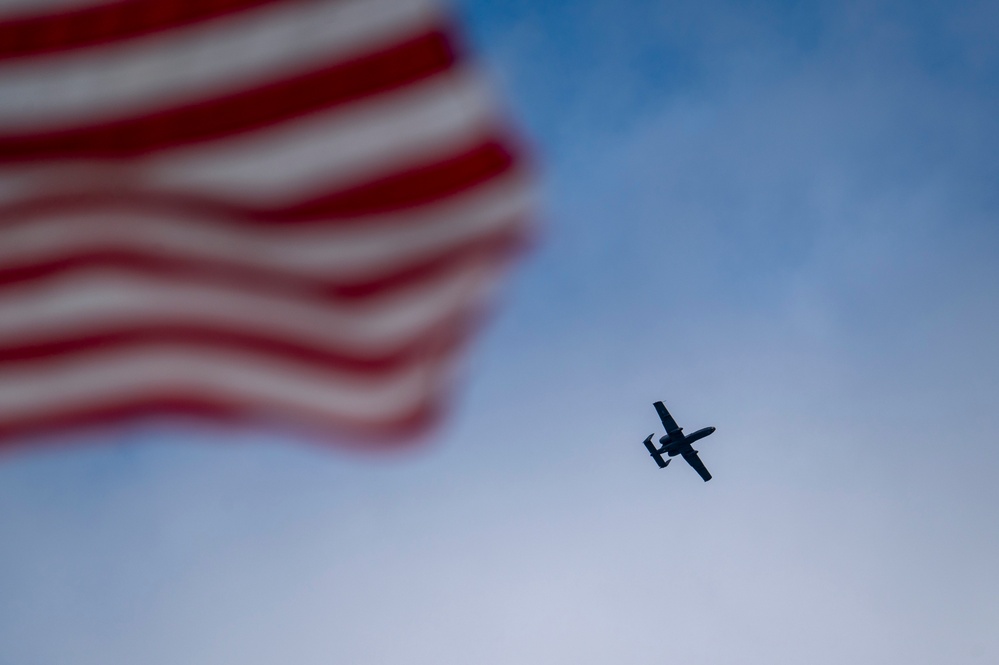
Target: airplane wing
(667, 419)
(695, 461)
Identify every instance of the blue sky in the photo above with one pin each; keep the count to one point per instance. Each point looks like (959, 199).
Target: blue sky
(781, 219)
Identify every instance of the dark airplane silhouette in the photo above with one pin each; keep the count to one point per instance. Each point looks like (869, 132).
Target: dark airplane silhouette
(676, 443)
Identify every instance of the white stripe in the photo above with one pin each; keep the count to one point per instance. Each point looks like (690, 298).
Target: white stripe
(103, 301)
(335, 149)
(351, 252)
(238, 378)
(27, 8)
(205, 60)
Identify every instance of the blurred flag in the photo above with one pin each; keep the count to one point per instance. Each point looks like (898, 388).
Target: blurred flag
(284, 211)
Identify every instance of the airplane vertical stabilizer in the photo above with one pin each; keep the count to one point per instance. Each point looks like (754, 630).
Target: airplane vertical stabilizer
(655, 453)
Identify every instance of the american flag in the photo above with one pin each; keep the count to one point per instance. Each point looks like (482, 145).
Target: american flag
(276, 211)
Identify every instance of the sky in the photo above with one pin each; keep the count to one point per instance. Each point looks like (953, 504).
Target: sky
(778, 217)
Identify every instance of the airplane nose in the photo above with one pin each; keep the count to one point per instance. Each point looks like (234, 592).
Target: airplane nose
(712, 429)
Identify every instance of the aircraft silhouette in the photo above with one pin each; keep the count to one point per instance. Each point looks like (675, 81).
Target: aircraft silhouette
(676, 443)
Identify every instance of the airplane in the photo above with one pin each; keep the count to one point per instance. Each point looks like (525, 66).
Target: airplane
(677, 443)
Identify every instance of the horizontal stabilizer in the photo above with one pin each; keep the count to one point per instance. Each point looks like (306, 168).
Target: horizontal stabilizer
(655, 453)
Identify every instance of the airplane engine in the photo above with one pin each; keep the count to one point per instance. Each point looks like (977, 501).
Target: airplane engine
(674, 449)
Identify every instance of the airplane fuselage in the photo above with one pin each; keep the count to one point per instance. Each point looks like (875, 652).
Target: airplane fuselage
(680, 446)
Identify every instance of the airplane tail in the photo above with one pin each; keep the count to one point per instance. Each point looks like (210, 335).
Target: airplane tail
(655, 453)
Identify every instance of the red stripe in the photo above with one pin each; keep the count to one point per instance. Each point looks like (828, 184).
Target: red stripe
(498, 248)
(443, 339)
(405, 63)
(490, 248)
(17, 432)
(408, 188)
(109, 22)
